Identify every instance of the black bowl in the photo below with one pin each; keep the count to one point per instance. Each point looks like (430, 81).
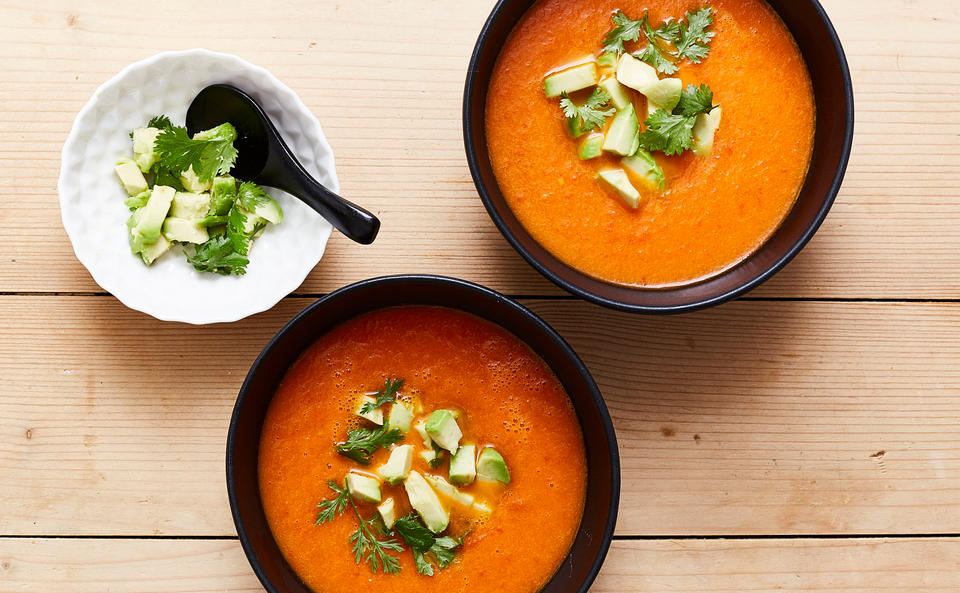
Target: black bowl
(833, 93)
(603, 462)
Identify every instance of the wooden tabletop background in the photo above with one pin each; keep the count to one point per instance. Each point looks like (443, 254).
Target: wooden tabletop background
(806, 438)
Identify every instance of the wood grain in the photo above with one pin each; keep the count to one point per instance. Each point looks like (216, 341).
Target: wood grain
(691, 566)
(385, 78)
(755, 418)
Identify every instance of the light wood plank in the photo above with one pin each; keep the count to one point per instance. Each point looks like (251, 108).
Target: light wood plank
(692, 566)
(754, 418)
(389, 100)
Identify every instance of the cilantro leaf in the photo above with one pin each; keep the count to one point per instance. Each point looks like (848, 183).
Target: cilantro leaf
(366, 545)
(423, 542)
(653, 54)
(251, 196)
(209, 153)
(590, 114)
(695, 100)
(667, 132)
(386, 395)
(694, 37)
(160, 121)
(361, 443)
(218, 255)
(626, 29)
(236, 223)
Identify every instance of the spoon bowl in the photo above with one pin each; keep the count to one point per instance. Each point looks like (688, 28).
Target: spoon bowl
(264, 158)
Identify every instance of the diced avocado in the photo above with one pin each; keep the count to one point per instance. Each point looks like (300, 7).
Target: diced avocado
(251, 222)
(192, 183)
(375, 415)
(623, 136)
(130, 176)
(607, 60)
(183, 230)
(704, 131)
(397, 467)
(491, 467)
(590, 147)
(644, 166)
(421, 428)
(223, 195)
(482, 509)
(575, 127)
(430, 455)
(388, 512)
(619, 182)
(138, 201)
(463, 465)
(636, 74)
(445, 488)
(269, 210)
(150, 253)
(620, 95)
(143, 152)
(221, 132)
(401, 416)
(146, 223)
(190, 206)
(443, 429)
(665, 94)
(571, 79)
(212, 221)
(363, 488)
(424, 500)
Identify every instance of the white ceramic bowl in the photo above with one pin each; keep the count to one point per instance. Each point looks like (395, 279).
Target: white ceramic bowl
(94, 215)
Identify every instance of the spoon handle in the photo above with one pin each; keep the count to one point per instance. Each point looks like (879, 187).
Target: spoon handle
(354, 222)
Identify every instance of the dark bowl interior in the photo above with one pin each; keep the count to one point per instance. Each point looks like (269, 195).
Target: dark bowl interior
(833, 92)
(603, 485)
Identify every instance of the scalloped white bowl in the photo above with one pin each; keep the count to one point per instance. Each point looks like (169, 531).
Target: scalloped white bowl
(94, 215)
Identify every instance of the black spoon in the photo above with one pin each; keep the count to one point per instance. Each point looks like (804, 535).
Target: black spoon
(266, 159)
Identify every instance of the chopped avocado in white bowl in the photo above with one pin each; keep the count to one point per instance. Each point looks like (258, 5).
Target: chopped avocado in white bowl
(94, 212)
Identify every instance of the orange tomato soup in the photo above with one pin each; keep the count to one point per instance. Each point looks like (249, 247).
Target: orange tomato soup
(715, 210)
(508, 398)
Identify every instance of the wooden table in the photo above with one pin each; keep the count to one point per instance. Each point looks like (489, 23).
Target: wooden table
(806, 438)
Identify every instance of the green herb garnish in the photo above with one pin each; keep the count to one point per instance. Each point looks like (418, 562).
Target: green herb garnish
(667, 44)
(693, 35)
(219, 256)
(361, 443)
(626, 29)
(366, 539)
(423, 542)
(161, 122)
(590, 115)
(672, 133)
(386, 395)
(208, 154)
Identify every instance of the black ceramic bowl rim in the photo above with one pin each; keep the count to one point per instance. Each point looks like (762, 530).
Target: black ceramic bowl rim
(494, 299)
(474, 160)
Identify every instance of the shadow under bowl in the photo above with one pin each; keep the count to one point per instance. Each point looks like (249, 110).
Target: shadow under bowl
(581, 564)
(833, 92)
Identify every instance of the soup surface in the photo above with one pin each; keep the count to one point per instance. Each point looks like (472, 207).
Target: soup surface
(509, 398)
(715, 210)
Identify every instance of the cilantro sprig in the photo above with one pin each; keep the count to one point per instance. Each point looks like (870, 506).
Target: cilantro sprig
(672, 132)
(667, 44)
(426, 547)
(386, 395)
(369, 540)
(218, 255)
(361, 443)
(590, 115)
(208, 154)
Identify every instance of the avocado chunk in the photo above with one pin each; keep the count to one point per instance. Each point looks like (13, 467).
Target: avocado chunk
(185, 231)
(397, 467)
(491, 467)
(665, 94)
(618, 94)
(430, 456)
(421, 428)
(645, 167)
(191, 182)
(223, 195)
(571, 79)
(590, 147)
(150, 253)
(401, 416)
(443, 429)
(146, 223)
(189, 205)
(424, 500)
(388, 512)
(143, 151)
(463, 465)
(636, 74)
(618, 181)
(608, 61)
(375, 415)
(269, 210)
(623, 137)
(138, 201)
(445, 488)
(704, 131)
(130, 176)
(363, 488)
(575, 127)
